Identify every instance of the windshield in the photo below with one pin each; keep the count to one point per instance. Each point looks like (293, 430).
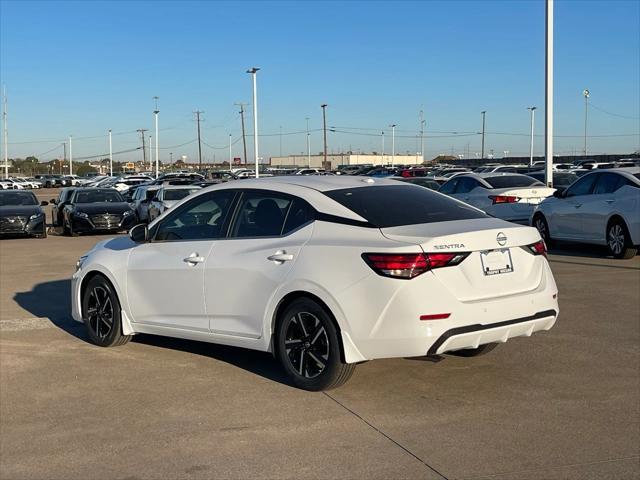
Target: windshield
(178, 194)
(508, 181)
(17, 198)
(88, 196)
(392, 206)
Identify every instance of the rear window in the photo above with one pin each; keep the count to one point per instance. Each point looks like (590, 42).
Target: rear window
(178, 194)
(508, 181)
(396, 205)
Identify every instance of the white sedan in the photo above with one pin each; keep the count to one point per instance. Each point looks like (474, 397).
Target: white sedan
(168, 196)
(322, 271)
(602, 208)
(509, 196)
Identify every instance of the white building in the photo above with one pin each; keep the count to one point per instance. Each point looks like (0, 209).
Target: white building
(344, 159)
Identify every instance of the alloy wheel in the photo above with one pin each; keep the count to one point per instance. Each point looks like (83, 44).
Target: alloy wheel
(542, 227)
(307, 344)
(616, 239)
(100, 312)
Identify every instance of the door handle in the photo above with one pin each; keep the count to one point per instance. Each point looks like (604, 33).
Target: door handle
(280, 257)
(193, 259)
(577, 205)
(610, 200)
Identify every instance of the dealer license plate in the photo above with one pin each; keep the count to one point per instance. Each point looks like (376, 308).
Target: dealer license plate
(495, 262)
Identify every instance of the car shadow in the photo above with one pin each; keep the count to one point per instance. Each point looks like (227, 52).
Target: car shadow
(569, 249)
(51, 300)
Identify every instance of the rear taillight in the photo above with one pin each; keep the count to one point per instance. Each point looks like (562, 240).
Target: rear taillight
(538, 248)
(503, 199)
(406, 173)
(410, 265)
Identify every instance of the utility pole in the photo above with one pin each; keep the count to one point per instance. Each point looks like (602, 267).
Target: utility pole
(150, 154)
(422, 123)
(482, 150)
(198, 112)
(548, 97)
(324, 122)
(244, 138)
(229, 150)
(144, 148)
(253, 71)
(5, 134)
(64, 158)
(155, 113)
(110, 156)
(280, 140)
(308, 144)
(586, 94)
(70, 156)
(382, 155)
(533, 116)
(393, 143)
(171, 158)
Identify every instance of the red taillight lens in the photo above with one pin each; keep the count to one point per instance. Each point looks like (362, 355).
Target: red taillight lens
(503, 199)
(409, 265)
(538, 248)
(406, 173)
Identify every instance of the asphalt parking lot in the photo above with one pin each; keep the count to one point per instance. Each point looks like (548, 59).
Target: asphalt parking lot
(562, 404)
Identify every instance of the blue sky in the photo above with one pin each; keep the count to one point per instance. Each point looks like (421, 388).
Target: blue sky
(80, 68)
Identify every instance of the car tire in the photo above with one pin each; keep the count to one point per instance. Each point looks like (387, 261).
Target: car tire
(474, 352)
(101, 313)
(44, 232)
(543, 228)
(308, 347)
(619, 241)
(65, 228)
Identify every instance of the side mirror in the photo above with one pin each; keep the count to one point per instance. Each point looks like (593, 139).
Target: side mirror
(44, 203)
(139, 233)
(558, 194)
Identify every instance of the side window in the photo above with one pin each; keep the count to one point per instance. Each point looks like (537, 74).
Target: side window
(582, 186)
(466, 184)
(300, 213)
(202, 218)
(609, 183)
(449, 187)
(261, 214)
(150, 195)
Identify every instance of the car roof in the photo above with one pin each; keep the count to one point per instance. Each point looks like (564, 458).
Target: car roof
(179, 187)
(321, 183)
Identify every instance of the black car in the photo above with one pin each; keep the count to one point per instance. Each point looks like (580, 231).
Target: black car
(97, 210)
(561, 180)
(20, 214)
(58, 205)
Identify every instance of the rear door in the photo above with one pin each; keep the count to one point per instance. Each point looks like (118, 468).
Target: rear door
(599, 206)
(244, 271)
(576, 208)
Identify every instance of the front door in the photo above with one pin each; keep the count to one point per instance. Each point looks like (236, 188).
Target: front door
(165, 277)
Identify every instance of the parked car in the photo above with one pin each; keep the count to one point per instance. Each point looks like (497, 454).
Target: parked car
(167, 196)
(57, 206)
(509, 196)
(341, 271)
(600, 208)
(49, 181)
(13, 184)
(422, 181)
(141, 200)
(71, 181)
(30, 184)
(96, 210)
(7, 185)
(21, 214)
(561, 180)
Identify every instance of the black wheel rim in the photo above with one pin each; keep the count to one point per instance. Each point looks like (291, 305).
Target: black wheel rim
(306, 344)
(616, 239)
(100, 312)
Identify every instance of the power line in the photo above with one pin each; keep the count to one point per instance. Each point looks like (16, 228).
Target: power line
(611, 113)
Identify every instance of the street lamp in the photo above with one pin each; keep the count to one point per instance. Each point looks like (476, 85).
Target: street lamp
(393, 143)
(253, 72)
(324, 128)
(483, 114)
(586, 94)
(533, 114)
(155, 113)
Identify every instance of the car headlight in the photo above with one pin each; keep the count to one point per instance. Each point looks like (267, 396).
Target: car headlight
(36, 215)
(81, 215)
(80, 261)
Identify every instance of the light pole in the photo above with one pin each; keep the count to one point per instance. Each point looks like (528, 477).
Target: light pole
(483, 115)
(393, 143)
(229, 150)
(533, 116)
(586, 94)
(324, 123)
(422, 124)
(70, 156)
(155, 113)
(150, 155)
(308, 144)
(5, 134)
(253, 72)
(548, 97)
(110, 156)
(382, 156)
